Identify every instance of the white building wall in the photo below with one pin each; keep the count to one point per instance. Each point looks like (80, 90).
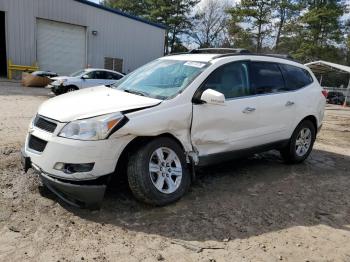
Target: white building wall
(117, 36)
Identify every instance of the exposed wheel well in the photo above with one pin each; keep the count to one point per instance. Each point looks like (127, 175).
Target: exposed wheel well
(121, 166)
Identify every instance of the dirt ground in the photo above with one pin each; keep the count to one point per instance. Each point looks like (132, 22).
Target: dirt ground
(255, 209)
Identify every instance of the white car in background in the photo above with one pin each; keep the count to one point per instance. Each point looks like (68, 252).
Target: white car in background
(175, 113)
(82, 79)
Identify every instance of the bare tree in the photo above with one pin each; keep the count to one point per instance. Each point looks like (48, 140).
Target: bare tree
(209, 24)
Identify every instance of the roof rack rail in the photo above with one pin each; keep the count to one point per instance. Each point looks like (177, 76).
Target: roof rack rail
(219, 51)
(282, 56)
(178, 53)
(225, 52)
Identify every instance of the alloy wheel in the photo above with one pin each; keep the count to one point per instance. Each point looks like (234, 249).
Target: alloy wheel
(303, 142)
(165, 170)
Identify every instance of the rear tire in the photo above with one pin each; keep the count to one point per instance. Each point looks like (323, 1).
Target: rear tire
(158, 173)
(300, 144)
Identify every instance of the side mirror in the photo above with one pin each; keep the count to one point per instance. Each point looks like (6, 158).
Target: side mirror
(84, 77)
(211, 96)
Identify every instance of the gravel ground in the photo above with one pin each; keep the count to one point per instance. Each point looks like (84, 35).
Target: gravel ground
(255, 209)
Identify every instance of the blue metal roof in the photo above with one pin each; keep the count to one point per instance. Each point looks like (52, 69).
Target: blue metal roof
(118, 12)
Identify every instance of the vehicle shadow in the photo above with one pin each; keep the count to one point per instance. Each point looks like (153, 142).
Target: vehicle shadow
(239, 199)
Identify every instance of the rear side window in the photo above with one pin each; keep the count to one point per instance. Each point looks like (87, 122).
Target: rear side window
(116, 76)
(295, 77)
(266, 78)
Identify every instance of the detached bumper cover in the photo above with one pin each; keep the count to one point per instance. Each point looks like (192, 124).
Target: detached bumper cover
(57, 89)
(76, 194)
(84, 196)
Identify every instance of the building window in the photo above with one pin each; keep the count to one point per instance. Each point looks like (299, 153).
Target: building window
(115, 64)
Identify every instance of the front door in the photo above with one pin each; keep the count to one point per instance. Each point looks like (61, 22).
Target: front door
(233, 125)
(94, 78)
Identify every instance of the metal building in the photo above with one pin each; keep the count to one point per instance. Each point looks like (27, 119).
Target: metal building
(66, 35)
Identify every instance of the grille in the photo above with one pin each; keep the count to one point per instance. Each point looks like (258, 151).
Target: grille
(36, 144)
(44, 124)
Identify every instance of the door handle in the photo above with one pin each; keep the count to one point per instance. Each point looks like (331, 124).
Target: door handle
(248, 110)
(290, 103)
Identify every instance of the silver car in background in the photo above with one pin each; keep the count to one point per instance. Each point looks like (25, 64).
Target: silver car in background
(82, 79)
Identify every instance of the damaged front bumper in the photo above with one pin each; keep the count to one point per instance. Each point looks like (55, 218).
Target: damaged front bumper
(83, 194)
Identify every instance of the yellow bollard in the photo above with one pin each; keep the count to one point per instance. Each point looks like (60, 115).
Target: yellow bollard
(11, 67)
(9, 71)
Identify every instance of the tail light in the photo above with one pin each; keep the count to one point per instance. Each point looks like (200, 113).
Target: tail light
(325, 93)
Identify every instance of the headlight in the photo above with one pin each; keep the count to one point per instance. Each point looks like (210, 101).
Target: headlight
(61, 81)
(31, 124)
(95, 128)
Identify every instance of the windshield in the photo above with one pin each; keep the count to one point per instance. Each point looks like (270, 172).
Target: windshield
(161, 79)
(78, 73)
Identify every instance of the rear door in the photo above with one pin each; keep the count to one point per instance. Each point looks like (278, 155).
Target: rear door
(305, 93)
(277, 104)
(111, 78)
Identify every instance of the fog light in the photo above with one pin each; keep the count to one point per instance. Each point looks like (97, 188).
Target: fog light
(74, 168)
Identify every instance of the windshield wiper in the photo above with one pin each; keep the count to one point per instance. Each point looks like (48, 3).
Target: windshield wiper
(135, 92)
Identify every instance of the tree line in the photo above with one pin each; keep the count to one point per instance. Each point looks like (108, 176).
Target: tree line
(308, 30)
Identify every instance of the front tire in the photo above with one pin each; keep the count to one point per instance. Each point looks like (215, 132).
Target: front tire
(300, 144)
(158, 172)
(71, 89)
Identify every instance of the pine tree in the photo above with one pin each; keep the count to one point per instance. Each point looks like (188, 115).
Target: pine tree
(284, 12)
(251, 19)
(321, 31)
(133, 7)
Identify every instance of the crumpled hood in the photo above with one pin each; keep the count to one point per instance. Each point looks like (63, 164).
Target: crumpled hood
(92, 102)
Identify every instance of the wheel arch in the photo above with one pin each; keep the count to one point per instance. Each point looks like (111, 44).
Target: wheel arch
(313, 120)
(71, 85)
(135, 143)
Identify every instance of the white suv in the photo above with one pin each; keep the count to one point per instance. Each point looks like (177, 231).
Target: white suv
(169, 116)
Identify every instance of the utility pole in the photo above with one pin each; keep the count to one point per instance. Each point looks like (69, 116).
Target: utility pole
(347, 95)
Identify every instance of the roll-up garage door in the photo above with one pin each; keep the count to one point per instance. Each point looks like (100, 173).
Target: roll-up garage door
(61, 47)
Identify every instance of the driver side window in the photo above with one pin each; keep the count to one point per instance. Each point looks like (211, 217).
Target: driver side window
(232, 80)
(90, 75)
